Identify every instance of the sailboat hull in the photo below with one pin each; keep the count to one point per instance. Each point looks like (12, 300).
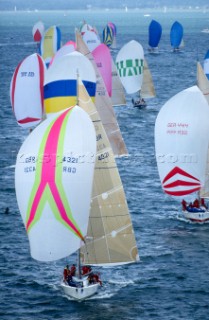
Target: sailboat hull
(80, 292)
(197, 216)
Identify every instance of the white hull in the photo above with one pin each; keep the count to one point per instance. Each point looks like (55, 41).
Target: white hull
(196, 216)
(82, 291)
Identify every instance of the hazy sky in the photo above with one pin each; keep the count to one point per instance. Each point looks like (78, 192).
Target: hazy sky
(82, 4)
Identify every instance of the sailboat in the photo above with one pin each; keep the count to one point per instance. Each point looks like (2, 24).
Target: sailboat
(54, 171)
(181, 145)
(110, 239)
(155, 32)
(176, 36)
(134, 72)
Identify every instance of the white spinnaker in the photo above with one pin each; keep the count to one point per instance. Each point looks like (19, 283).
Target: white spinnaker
(91, 40)
(26, 91)
(53, 182)
(69, 67)
(181, 142)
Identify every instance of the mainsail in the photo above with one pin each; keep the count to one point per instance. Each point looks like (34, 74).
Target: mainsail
(53, 183)
(110, 238)
(147, 89)
(104, 105)
(118, 95)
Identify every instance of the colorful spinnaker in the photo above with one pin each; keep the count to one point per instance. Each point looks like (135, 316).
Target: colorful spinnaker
(118, 92)
(130, 64)
(108, 36)
(50, 43)
(114, 30)
(155, 32)
(54, 170)
(176, 35)
(60, 87)
(38, 31)
(26, 91)
(181, 142)
(103, 60)
(206, 64)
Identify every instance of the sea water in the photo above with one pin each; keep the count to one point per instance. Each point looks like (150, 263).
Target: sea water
(171, 281)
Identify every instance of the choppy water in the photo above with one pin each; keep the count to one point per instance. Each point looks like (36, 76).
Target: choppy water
(171, 281)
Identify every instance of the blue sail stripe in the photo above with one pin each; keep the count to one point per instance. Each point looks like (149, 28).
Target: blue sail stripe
(66, 88)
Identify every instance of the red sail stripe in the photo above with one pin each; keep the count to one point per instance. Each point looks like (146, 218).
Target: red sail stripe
(175, 171)
(181, 193)
(26, 120)
(181, 183)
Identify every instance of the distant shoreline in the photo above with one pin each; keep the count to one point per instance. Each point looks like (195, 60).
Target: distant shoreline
(131, 10)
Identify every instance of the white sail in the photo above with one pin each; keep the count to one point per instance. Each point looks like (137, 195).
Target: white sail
(26, 91)
(104, 105)
(181, 142)
(110, 238)
(130, 62)
(53, 182)
(147, 89)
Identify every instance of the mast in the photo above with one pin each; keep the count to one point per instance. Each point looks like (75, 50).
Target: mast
(79, 264)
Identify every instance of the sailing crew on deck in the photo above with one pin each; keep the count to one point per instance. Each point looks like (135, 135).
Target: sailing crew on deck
(66, 273)
(73, 270)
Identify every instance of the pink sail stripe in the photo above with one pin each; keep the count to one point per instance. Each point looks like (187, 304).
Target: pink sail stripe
(181, 193)
(48, 174)
(180, 183)
(175, 171)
